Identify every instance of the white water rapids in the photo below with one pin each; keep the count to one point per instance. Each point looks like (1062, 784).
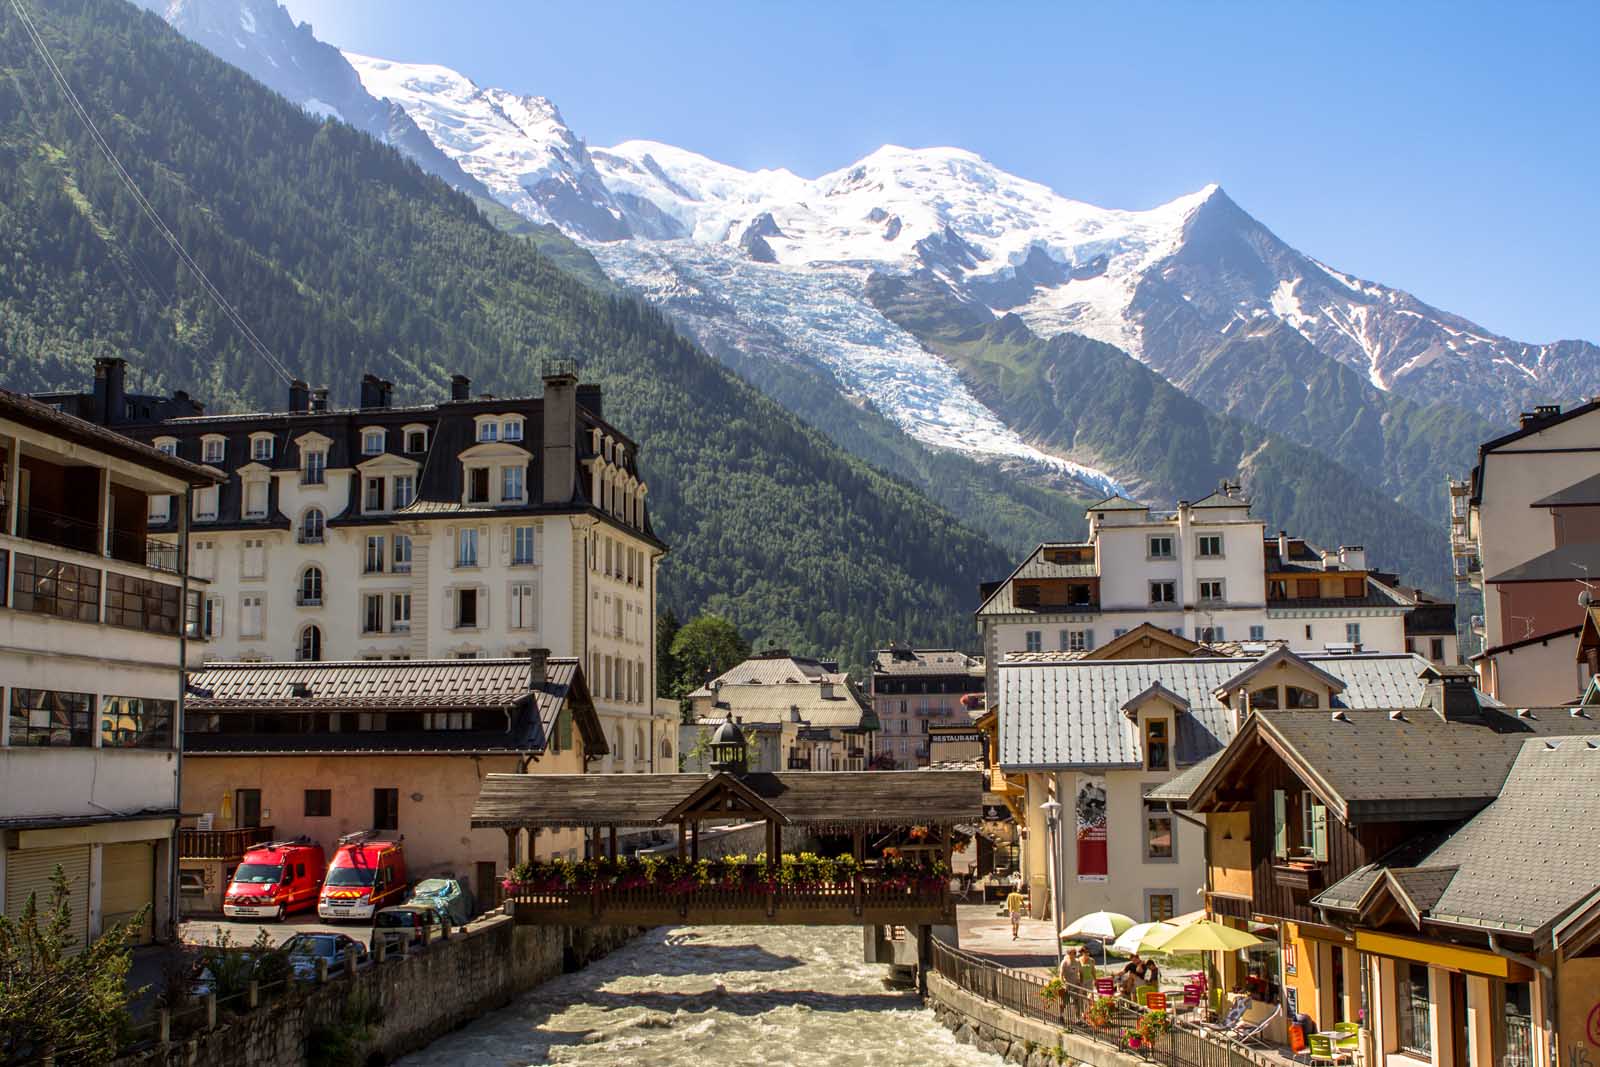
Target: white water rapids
(715, 995)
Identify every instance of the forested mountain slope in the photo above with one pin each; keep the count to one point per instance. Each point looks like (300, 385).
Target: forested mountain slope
(345, 257)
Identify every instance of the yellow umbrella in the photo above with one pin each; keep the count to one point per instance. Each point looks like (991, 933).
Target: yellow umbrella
(1204, 936)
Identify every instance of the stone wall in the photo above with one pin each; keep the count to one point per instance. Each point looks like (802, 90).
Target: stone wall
(415, 998)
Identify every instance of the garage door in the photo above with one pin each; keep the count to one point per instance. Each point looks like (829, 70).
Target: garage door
(31, 870)
(127, 876)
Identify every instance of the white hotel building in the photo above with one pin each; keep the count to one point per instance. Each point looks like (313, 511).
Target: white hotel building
(477, 527)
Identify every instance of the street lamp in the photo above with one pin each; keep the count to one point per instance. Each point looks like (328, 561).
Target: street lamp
(1052, 819)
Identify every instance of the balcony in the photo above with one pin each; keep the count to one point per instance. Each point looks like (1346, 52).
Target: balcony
(194, 844)
(1301, 876)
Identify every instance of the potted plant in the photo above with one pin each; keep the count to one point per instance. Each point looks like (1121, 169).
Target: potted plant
(1099, 1011)
(1053, 992)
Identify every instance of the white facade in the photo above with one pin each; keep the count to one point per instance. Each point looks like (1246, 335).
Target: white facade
(90, 652)
(1201, 571)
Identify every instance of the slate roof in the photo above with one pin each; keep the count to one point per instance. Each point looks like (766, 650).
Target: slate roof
(1414, 766)
(779, 688)
(1178, 788)
(803, 798)
(924, 661)
(1520, 864)
(1568, 563)
(220, 689)
(1579, 494)
(1068, 715)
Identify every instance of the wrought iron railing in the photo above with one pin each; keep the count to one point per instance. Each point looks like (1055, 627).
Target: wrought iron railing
(63, 531)
(1518, 1037)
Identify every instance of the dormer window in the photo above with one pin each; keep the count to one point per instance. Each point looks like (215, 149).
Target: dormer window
(512, 431)
(261, 446)
(213, 449)
(372, 442)
(1296, 697)
(1264, 699)
(372, 499)
(416, 440)
(167, 446)
(477, 485)
(488, 431)
(405, 490)
(255, 499)
(1157, 745)
(205, 504)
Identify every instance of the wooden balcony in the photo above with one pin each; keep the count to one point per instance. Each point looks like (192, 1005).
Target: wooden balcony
(848, 905)
(220, 844)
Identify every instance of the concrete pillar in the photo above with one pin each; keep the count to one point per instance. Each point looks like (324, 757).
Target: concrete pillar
(1480, 1022)
(1386, 1028)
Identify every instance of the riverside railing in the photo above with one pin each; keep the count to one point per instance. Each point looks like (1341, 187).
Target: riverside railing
(1022, 993)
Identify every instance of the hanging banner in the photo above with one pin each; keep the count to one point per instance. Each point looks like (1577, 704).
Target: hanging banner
(1091, 811)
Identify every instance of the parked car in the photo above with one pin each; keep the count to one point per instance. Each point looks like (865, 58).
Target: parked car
(404, 924)
(275, 879)
(304, 950)
(447, 896)
(367, 874)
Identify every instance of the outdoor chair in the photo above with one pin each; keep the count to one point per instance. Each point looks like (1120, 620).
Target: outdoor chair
(1105, 987)
(1249, 1034)
(1297, 1039)
(1140, 993)
(1350, 1039)
(958, 889)
(1155, 1001)
(1323, 1050)
(1241, 1004)
(1192, 999)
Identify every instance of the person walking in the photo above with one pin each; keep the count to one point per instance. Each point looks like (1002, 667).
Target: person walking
(1015, 902)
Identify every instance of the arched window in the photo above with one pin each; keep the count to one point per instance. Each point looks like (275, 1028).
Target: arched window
(311, 527)
(310, 650)
(1296, 697)
(666, 749)
(638, 744)
(1264, 699)
(311, 586)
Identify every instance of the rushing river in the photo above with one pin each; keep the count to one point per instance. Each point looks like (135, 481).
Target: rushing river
(715, 995)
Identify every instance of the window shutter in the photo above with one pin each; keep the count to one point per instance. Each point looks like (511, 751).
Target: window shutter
(1319, 831)
(564, 729)
(1088, 639)
(505, 546)
(512, 602)
(1280, 824)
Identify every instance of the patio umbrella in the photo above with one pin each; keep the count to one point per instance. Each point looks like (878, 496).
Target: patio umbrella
(1207, 936)
(1142, 937)
(1100, 925)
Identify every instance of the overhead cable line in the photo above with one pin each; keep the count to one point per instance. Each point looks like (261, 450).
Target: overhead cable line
(143, 201)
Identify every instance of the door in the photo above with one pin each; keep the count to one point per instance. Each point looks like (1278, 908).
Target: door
(31, 871)
(246, 808)
(1460, 1053)
(488, 887)
(127, 884)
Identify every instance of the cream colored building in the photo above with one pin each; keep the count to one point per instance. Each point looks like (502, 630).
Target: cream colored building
(91, 650)
(826, 723)
(477, 527)
(1097, 735)
(1207, 570)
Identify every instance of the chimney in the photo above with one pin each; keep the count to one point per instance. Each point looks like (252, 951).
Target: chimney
(1453, 695)
(1353, 557)
(538, 667)
(589, 399)
(299, 397)
(319, 399)
(371, 391)
(560, 459)
(1283, 546)
(110, 389)
(385, 393)
(460, 387)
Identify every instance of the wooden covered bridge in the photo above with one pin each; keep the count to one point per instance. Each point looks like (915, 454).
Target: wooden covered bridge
(904, 885)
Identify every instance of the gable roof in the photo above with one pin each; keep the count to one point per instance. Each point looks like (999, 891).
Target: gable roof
(1219, 499)
(845, 799)
(1155, 691)
(1400, 765)
(1065, 715)
(1144, 634)
(1118, 502)
(1281, 655)
(1518, 866)
(1567, 563)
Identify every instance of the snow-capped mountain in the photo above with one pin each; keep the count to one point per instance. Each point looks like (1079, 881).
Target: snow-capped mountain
(770, 265)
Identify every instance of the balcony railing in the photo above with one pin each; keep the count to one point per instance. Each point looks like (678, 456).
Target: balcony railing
(195, 844)
(63, 531)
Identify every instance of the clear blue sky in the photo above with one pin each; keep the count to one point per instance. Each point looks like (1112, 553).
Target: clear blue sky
(1448, 149)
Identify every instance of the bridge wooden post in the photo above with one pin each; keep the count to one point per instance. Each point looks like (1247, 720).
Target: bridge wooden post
(682, 841)
(511, 847)
(859, 846)
(613, 841)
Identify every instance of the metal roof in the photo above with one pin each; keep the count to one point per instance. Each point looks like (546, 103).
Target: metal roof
(1063, 715)
(370, 684)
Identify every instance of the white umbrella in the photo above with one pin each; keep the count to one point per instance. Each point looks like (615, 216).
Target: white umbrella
(1135, 938)
(1100, 925)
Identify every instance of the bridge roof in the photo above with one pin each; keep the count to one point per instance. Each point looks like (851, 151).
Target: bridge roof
(841, 799)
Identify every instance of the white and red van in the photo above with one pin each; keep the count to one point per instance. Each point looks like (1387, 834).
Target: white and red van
(274, 879)
(367, 873)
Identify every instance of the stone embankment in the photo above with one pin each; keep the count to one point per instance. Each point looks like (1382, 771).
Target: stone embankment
(390, 1008)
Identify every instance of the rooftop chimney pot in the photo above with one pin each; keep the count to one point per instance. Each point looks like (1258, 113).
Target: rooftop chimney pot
(460, 387)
